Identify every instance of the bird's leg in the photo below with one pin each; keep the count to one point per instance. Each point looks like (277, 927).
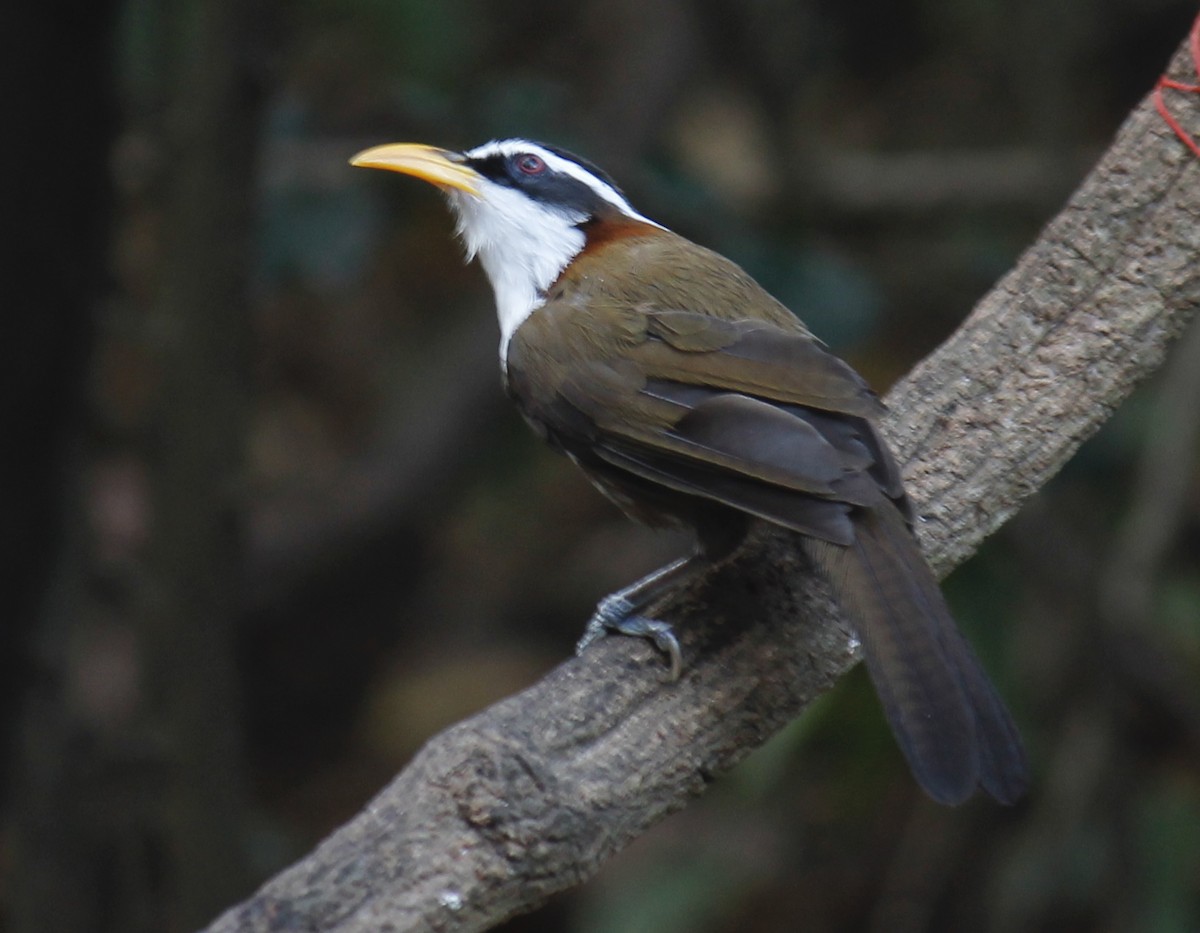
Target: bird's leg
(621, 611)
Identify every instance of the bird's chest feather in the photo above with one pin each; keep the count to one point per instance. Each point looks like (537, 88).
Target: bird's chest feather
(557, 349)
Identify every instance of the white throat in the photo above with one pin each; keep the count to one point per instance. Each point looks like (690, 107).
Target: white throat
(523, 246)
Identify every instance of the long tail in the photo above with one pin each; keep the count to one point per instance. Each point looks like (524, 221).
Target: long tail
(947, 717)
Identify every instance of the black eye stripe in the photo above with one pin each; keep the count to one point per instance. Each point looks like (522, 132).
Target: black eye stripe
(567, 192)
(492, 167)
(546, 185)
(586, 166)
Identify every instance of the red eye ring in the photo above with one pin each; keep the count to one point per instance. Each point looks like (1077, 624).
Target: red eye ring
(530, 164)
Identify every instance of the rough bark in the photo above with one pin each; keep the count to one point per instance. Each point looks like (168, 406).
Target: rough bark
(530, 796)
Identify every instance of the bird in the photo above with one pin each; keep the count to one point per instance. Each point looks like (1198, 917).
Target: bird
(694, 399)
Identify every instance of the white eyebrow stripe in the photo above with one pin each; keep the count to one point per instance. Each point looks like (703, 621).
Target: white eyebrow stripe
(510, 147)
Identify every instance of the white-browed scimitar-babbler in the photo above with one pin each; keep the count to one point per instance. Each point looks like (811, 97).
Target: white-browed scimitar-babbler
(692, 397)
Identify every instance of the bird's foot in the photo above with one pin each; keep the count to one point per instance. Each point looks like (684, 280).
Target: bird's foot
(617, 614)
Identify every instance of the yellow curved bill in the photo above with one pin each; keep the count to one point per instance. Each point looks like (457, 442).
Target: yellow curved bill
(437, 166)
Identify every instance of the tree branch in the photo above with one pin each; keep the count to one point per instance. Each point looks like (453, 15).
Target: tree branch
(530, 796)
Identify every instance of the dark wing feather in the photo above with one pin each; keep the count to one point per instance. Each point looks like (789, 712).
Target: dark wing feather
(746, 400)
(747, 453)
(748, 437)
(754, 358)
(821, 518)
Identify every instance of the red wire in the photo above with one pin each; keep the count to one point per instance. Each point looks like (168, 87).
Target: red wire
(1160, 103)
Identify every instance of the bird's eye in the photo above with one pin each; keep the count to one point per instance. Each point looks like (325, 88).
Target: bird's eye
(529, 164)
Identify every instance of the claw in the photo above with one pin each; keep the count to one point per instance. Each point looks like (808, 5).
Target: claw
(663, 637)
(616, 614)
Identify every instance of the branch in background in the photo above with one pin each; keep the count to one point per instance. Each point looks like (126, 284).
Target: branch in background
(532, 795)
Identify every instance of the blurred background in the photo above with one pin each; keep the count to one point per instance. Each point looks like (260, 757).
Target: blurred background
(270, 523)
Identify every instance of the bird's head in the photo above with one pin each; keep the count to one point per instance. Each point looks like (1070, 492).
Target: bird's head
(524, 209)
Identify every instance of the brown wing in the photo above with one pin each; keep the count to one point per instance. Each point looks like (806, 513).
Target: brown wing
(753, 357)
(739, 412)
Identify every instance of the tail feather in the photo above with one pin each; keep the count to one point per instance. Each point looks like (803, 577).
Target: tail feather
(1004, 770)
(949, 721)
